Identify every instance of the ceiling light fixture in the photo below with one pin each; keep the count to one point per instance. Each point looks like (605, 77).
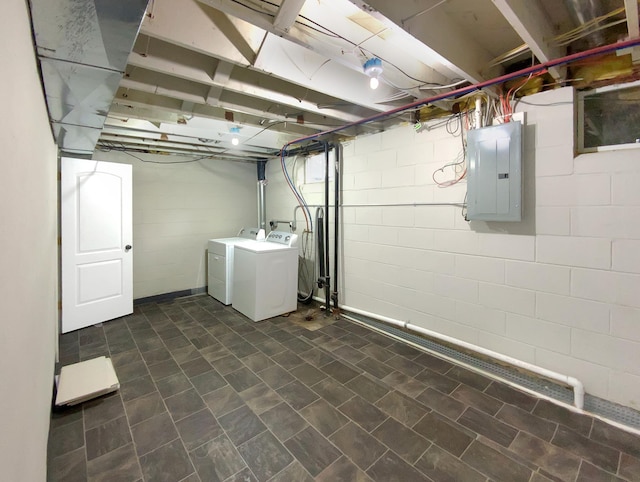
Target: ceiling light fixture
(235, 131)
(373, 68)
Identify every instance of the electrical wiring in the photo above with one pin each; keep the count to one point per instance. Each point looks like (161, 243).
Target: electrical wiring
(578, 32)
(459, 163)
(299, 198)
(490, 112)
(305, 275)
(317, 27)
(422, 12)
(507, 100)
(429, 127)
(110, 146)
(298, 189)
(432, 86)
(393, 98)
(591, 31)
(273, 15)
(264, 129)
(511, 54)
(455, 129)
(425, 86)
(550, 104)
(106, 146)
(304, 295)
(464, 207)
(566, 38)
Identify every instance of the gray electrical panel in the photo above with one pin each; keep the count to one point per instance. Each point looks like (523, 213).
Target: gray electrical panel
(494, 178)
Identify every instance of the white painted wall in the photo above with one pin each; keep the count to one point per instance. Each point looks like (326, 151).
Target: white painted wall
(176, 209)
(561, 289)
(28, 254)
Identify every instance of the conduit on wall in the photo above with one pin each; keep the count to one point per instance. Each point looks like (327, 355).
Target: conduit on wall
(577, 385)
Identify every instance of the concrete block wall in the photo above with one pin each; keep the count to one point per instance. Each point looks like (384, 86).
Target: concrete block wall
(176, 209)
(561, 289)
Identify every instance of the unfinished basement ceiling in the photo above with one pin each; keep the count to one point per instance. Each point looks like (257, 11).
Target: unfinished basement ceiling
(267, 72)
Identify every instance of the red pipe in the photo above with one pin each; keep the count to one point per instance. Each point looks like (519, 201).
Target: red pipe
(481, 85)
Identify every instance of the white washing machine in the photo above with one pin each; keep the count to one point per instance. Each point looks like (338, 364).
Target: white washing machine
(220, 262)
(265, 282)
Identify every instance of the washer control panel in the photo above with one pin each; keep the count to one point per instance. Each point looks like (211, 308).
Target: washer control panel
(282, 237)
(252, 233)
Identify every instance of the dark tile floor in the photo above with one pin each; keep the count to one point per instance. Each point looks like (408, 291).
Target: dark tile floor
(207, 395)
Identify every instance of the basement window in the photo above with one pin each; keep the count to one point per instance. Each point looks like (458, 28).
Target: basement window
(609, 118)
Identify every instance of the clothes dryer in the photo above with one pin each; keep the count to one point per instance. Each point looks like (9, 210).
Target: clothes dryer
(265, 282)
(220, 262)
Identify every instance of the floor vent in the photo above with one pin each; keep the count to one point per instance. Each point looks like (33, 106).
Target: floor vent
(598, 406)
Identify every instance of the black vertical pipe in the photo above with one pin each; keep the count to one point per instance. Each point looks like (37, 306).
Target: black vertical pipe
(262, 167)
(336, 212)
(320, 248)
(327, 285)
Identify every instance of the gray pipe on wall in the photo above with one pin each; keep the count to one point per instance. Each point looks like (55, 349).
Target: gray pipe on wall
(262, 202)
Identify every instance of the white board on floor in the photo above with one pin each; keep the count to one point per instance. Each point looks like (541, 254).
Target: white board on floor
(83, 381)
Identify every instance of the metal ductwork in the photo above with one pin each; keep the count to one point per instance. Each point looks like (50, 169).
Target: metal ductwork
(583, 11)
(82, 47)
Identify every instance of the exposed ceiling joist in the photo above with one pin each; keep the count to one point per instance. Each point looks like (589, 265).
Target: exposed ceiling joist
(188, 106)
(295, 35)
(285, 69)
(157, 90)
(280, 58)
(530, 22)
(315, 72)
(144, 99)
(142, 138)
(240, 83)
(193, 29)
(227, 27)
(168, 87)
(437, 32)
(631, 8)
(200, 131)
(287, 13)
(163, 57)
(220, 78)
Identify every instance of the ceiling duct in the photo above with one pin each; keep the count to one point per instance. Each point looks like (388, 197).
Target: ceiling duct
(583, 11)
(82, 47)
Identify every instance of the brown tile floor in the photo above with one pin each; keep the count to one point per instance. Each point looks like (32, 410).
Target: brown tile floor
(207, 395)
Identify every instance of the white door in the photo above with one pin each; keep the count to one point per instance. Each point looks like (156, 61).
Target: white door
(96, 231)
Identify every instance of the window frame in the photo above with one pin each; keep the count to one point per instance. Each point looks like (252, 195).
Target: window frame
(580, 148)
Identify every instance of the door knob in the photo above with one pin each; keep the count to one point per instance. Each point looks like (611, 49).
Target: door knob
(127, 247)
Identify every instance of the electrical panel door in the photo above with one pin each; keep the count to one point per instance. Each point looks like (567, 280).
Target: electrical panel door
(494, 180)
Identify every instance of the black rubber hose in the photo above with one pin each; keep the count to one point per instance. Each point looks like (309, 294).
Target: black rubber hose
(320, 251)
(336, 219)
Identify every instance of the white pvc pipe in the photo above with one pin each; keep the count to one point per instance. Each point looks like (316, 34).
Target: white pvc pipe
(578, 387)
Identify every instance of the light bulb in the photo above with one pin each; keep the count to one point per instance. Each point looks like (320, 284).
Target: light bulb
(374, 83)
(235, 141)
